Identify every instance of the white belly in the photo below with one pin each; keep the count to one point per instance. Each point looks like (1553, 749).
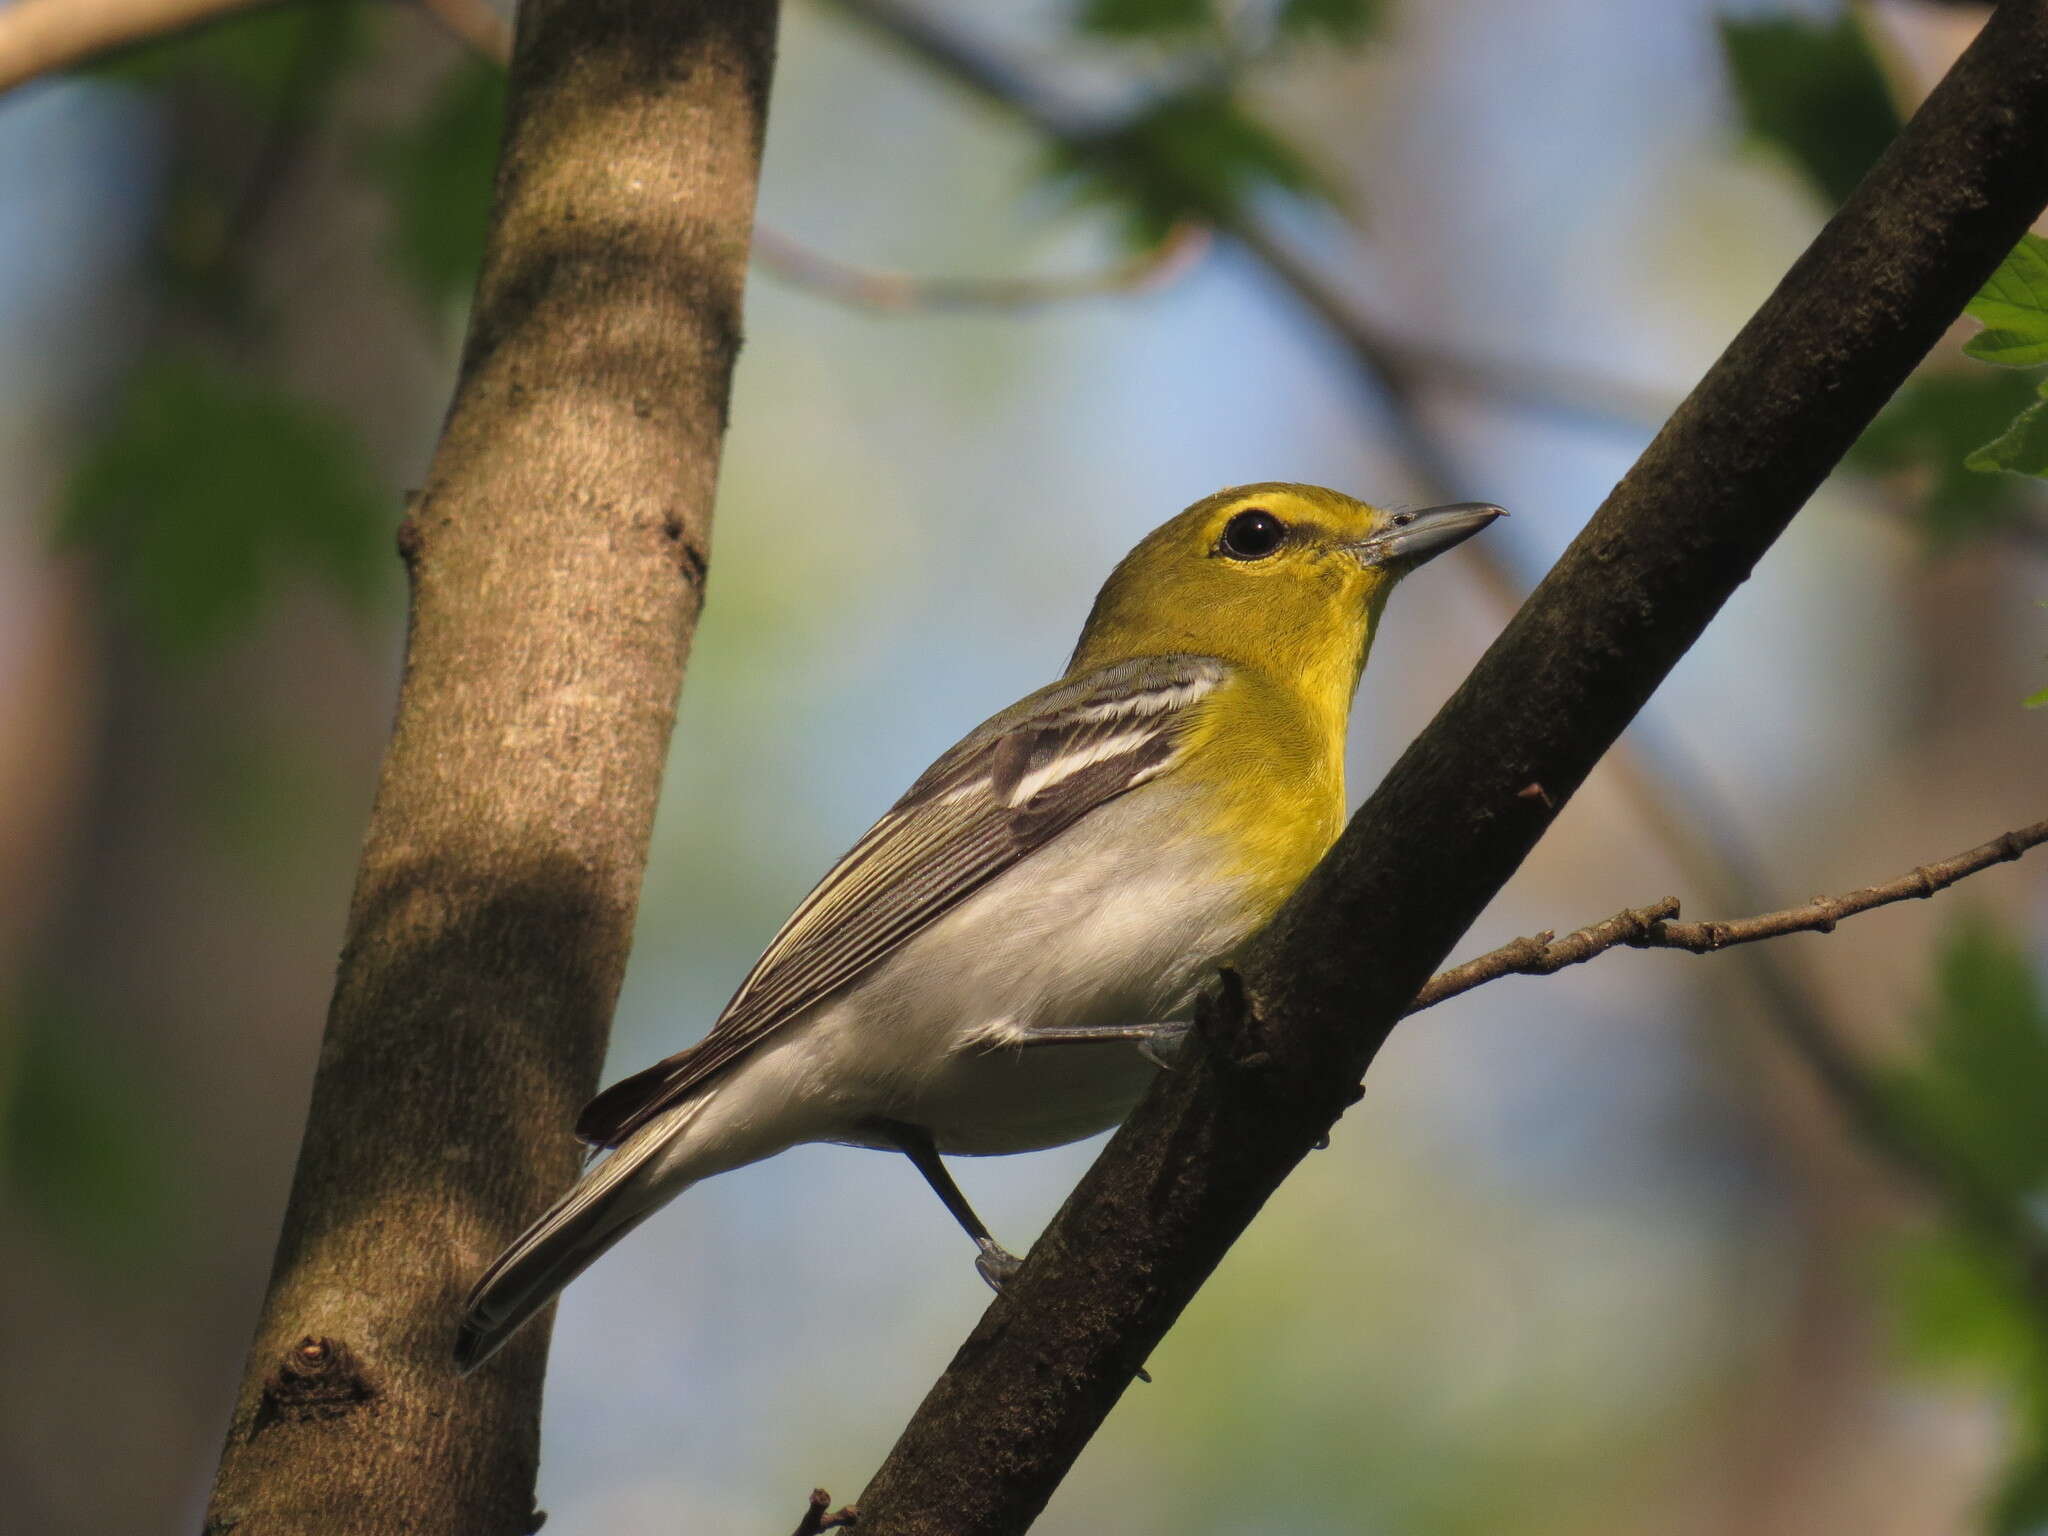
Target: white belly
(1070, 939)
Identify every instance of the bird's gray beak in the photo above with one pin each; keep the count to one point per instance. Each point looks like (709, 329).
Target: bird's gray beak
(1409, 538)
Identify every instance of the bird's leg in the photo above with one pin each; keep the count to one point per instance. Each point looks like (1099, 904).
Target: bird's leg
(996, 1263)
(1157, 1043)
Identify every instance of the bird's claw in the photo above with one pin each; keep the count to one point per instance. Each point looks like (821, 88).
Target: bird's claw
(997, 1264)
(1162, 1048)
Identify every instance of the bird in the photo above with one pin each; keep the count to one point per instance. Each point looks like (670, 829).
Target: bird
(1008, 956)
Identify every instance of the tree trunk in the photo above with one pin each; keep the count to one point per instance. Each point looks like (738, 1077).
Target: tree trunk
(557, 557)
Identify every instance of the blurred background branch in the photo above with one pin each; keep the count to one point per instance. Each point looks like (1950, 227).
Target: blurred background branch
(39, 37)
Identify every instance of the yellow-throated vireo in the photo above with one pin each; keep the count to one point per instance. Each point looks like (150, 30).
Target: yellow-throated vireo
(1012, 951)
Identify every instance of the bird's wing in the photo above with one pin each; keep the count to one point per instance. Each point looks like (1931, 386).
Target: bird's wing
(1010, 787)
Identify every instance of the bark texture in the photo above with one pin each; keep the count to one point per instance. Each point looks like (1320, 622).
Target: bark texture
(1284, 1043)
(557, 557)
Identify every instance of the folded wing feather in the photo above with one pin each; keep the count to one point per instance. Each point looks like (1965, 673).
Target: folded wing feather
(1009, 787)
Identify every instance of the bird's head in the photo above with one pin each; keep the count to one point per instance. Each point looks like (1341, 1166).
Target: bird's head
(1287, 579)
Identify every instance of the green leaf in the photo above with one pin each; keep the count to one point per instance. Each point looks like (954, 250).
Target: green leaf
(2022, 1505)
(1928, 431)
(207, 485)
(2022, 449)
(1960, 1306)
(1144, 18)
(1979, 1089)
(255, 56)
(1966, 1299)
(83, 1141)
(1815, 91)
(438, 173)
(1346, 22)
(2014, 308)
(1196, 155)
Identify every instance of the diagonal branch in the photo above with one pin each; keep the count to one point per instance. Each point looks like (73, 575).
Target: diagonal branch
(1657, 927)
(1276, 1060)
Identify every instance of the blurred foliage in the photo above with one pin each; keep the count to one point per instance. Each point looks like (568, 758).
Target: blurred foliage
(2021, 448)
(256, 86)
(1965, 1308)
(1932, 426)
(1144, 18)
(1348, 22)
(1814, 91)
(207, 483)
(82, 1140)
(1966, 1300)
(1197, 154)
(1979, 1089)
(256, 57)
(2014, 308)
(2037, 700)
(438, 173)
(1339, 21)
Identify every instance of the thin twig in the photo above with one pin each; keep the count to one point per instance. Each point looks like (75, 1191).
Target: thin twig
(1656, 926)
(1544, 954)
(784, 258)
(816, 1521)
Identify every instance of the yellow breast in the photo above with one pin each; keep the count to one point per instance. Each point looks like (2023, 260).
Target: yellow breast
(1270, 759)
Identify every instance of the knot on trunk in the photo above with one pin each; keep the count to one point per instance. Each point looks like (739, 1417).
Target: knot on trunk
(316, 1379)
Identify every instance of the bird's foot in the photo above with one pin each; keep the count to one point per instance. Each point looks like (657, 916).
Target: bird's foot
(996, 1263)
(1162, 1045)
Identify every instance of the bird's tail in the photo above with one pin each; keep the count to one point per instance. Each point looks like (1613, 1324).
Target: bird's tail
(610, 1200)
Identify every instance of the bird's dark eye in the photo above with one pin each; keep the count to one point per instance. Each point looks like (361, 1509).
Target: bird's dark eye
(1252, 535)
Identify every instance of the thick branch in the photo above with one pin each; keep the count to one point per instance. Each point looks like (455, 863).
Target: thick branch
(1657, 927)
(1277, 1059)
(557, 556)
